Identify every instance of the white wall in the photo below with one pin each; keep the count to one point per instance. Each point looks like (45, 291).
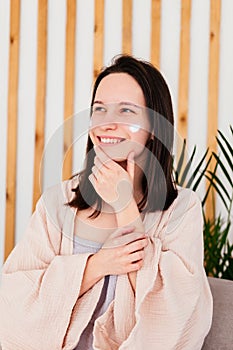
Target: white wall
(170, 41)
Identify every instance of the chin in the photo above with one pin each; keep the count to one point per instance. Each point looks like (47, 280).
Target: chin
(120, 152)
(116, 154)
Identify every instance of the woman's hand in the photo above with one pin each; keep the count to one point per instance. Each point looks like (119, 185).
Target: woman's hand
(122, 253)
(112, 183)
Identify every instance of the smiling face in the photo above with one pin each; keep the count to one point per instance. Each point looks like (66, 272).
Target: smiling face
(119, 123)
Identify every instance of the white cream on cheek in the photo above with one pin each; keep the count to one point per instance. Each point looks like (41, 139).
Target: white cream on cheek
(134, 128)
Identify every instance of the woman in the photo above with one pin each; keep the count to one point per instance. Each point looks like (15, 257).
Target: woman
(113, 259)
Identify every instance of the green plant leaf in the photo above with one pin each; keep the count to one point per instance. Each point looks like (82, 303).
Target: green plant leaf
(181, 160)
(220, 163)
(198, 167)
(202, 175)
(225, 153)
(187, 167)
(210, 183)
(226, 142)
(217, 189)
(219, 182)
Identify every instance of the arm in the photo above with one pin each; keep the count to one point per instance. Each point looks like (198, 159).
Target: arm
(116, 257)
(130, 216)
(92, 274)
(174, 303)
(39, 288)
(115, 186)
(180, 296)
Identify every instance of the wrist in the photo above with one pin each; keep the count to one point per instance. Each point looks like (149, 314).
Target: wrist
(95, 265)
(130, 215)
(122, 206)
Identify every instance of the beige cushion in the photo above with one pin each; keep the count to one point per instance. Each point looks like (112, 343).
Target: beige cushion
(220, 336)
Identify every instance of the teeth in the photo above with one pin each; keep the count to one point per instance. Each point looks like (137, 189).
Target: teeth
(107, 140)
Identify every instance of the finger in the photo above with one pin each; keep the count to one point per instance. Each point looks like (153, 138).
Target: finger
(135, 246)
(131, 165)
(132, 237)
(124, 240)
(100, 165)
(136, 256)
(135, 266)
(104, 158)
(96, 172)
(92, 180)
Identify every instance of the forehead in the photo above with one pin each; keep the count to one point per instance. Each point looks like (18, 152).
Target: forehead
(118, 87)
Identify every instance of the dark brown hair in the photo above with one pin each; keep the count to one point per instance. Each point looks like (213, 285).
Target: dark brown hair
(157, 183)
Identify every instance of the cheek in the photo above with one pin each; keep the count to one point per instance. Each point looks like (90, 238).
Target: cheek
(135, 128)
(138, 135)
(92, 136)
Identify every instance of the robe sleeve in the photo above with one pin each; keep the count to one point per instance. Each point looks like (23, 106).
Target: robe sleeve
(173, 303)
(40, 288)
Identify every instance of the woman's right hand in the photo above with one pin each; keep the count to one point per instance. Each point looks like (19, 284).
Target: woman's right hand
(123, 252)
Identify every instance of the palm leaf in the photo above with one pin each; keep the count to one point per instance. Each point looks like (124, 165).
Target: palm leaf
(198, 167)
(181, 161)
(219, 182)
(187, 167)
(217, 190)
(195, 186)
(226, 142)
(220, 163)
(225, 153)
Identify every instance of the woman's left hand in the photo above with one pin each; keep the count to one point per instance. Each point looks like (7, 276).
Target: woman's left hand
(113, 183)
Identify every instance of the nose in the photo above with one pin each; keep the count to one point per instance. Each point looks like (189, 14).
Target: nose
(109, 121)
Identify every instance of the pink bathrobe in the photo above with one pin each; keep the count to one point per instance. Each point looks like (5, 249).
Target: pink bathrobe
(40, 307)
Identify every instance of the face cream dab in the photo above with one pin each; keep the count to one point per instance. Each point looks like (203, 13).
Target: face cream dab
(134, 128)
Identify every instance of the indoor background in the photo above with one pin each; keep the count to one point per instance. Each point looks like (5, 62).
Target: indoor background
(50, 53)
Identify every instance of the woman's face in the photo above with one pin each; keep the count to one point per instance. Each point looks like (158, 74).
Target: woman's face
(119, 122)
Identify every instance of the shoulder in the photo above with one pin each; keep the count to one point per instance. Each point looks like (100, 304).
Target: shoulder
(60, 193)
(186, 196)
(186, 209)
(54, 200)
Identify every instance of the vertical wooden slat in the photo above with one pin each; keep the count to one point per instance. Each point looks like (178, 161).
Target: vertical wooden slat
(184, 69)
(40, 96)
(12, 127)
(69, 87)
(127, 26)
(98, 36)
(155, 32)
(215, 17)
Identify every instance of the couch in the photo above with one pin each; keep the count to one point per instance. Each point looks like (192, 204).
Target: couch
(220, 336)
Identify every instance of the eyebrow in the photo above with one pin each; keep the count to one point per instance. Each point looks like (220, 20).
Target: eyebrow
(121, 103)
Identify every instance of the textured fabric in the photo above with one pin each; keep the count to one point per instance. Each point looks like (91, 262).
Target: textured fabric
(220, 336)
(107, 293)
(40, 305)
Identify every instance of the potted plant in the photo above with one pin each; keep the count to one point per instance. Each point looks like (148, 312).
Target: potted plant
(218, 250)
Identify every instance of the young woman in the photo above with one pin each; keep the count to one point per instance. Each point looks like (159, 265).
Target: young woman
(113, 258)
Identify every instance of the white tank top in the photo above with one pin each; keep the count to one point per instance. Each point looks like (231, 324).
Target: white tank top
(107, 295)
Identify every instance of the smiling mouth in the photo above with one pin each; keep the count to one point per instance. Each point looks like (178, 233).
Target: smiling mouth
(110, 140)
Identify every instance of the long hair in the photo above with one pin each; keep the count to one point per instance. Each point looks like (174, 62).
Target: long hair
(157, 182)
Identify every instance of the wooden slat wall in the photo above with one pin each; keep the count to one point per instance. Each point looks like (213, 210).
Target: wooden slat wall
(155, 32)
(98, 37)
(215, 17)
(127, 26)
(127, 13)
(69, 87)
(12, 127)
(40, 97)
(184, 69)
